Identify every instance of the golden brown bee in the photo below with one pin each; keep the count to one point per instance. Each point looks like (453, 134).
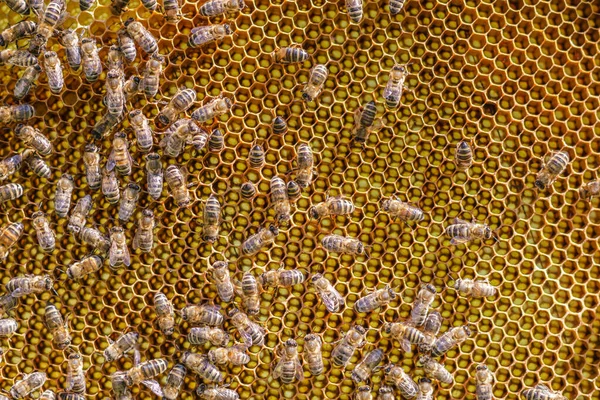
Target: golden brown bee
(367, 366)
(8, 237)
(8, 327)
(557, 163)
(115, 98)
(351, 340)
(131, 87)
(385, 393)
(29, 284)
(332, 206)
(7, 303)
(172, 11)
(21, 112)
(279, 200)
(29, 384)
(142, 37)
(464, 155)
(453, 337)
(306, 162)
(435, 370)
(236, 355)
(117, 349)
(395, 85)
(365, 123)
(542, 392)
(180, 133)
(423, 301)
(129, 201)
(70, 40)
(363, 393)
(396, 6)
(475, 289)
(289, 367)
(151, 79)
(54, 72)
(248, 190)
(248, 291)
(204, 35)
(34, 139)
(313, 356)
(404, 333)
(262, 238)
(200, 365)
(290, 55)
(110, 186)
(114, 59)
(202, 314)
(212, 392)
(79, 214)
(177, 182)
(425, 389)
(127, 46)
(216, 142)
(281, 277)
(154, 175)
(92, 66)
(9, 166)
(378, 298)
(38, 166)
(145, 371)
(213, 335)
(332, 299)
(45, 235)
(343, 245)
(19, 58)
(395, 376)
(432, 326)
(462, 231)
(212, 219)
(251, 333)
(316, 81)
(75, 374)
(57, 327)
(10, 191)
(256, 157)
(404, 211)
(17, 31)
(119, 253)
(18, 6)
(62, 198)
(174, 383)
(141, 128)
(120, 158)
(589, 190)
(219, 274)
(54, 15)
(91, 160)
(47, 395)
(213, 8)
(165, 314)
(105, 125)
(293, 191)
(484, 380)
(144, 237)
(182, 101)
(212, 109)
(82, 268)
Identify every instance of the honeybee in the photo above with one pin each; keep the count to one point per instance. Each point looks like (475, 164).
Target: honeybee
(29, 284)
(62, 198)
(38, 166)
(453, 337)
(251, 333)
(110, 186)
(174, 382)
(19, 58)
(475, 289)
(119, 386)
(589, 190)
(204, 35)
(20, 112)
(131, 87)
(365, 123)
(212, 109)
(290, 55)
(114, 99)
(145, 371)
(75, 374)
(464, 155)
(279, 126)
(150, 4)
(395, 376)
(181, 132)
(172, 11)
(248, 190)
(144, 237)
(423, 301)
(17, 31)
(213, 8)
(181, 102)
(142, 130)
(54, 72)
(435, 370)
(8, 237)
(202, 314)
(212, 219)
(18, 6)
(293, 191)
(70, 40)
(8, 327)
(396, 6)
(114, 59)
(216, 142)
(70, 396)
(87, 266)
(332, 299)
(542, 392)
(10, 191)
(378, 298)
(263, 238)
(313, 354)
(29, 384)
(213, 335)
(219, 274)
(367, 366)
(557, 163)
(165, 314)
(9, 166)
(405, 211)
(316, 81)
(281, 277)
(91, 160)
(45, 235)
(432, 326)
(484, 380)
(79, 214)
(248, 291)
(151, 79)
(122, 345)
(279, 200)
(404, 333)
(363, 393)
(462, 231)
(127, 46)
(385, 393)
(118, 7)
(332, 206)
(120, 158)
(236, 355)
(306, 163)
(53, 16)
(34, 139)
(343, 245)
(129, 201)
(85, 5)
(154, 175)
(142, 37)
(47, 395)
(351, 340)
(104, 126)
(216, 393)
(289, 367)
(256, 157)
(199, 140)
(396, 84)
(92, 66)
(7, 303)
(200, 365)
(177, 182)
(355, 10)
(57, 327)
(425, 389)
(119, 253)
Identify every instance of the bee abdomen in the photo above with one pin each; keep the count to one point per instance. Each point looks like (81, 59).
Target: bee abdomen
(558, 163)
(257, 156)
(396, 6)
(248, 190)
(464, 155)
(279, 126)
(8, 327)
(10, 191)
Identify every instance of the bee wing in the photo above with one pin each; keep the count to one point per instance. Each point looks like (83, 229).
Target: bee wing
(110, 163)
(299, 371)
(154, 387)
(331, 302)
(136, 239)
(201, 29)
(405, 344)
(112, 255)
(246, 337)
(278, 369)
(458, 221)
(164, 141)
(542, 387)
(136, 357)
(126, 256)
(458, 240)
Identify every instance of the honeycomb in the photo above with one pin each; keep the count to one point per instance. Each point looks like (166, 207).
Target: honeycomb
(520, 79)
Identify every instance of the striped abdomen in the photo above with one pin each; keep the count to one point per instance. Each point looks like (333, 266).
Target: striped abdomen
(355, 10)
(464, 155)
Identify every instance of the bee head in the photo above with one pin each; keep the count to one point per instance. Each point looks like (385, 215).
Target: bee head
(387, 328)
(48, 282)
(385, 205)
(306, 97)
(134, 113)
(482, 367)
(91, 148)
(424, 380)
(540, 185)
(291, 343)
(316, 277)
(128, 22)
(488, 232)
(19, 129)
(233, 312)
(388, 368)
(134, 186)
(228, 101)
(74, 356)
(430, 288)
(391, 293)
(147, 213)
(314, 214)
(201, 389)
(153, 156)
(37, 215)
(360, 329)
(361, 248)
(274, 230)
(458, 284)
(365, 388)
(228, 29)
(463, 145)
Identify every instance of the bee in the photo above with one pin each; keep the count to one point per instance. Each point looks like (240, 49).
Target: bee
(256, 157)
(262, 238)
(87, 266)
(114, 59)
(385, 393)
(29, 384)
(79, 214)
(178, 184)
(475, 289)
(119, 386)
(70, 40)
(589, 190)
(396, 84)
(119, 253)
(144, 238)
(165, 314)
(62, 198)
(363, 393)
(127, 46)
(199, 140)
(203, 314)
(248, 291)
(118, 7)
(75, 374)
(279, 200)
(484, 380)
(557, 163)
(142, 37)
(423, 301)
(18, 6)
(110, 186)
(355, 10)
(131, 87)
(105, 125)
(215, 336)
(85, 5)
(453, 337)
(212, 109)
(92, 66)
(45, 235)
(462, 231)
(204, 35)
(435, 370)
(343, 245)
(7, 303)
(306, 163)
(9, 166)
(200, 365)
(38, 166)
(332, 299)
(425, 389)
(219, 273)
(464, 155)
(181, 102)
(351, 340)
(404, 333)
(212, 217)
(279, 126)
(281, 277)
(181, 132)
(313, 354)
(20, 112)
(145, 371)
(151, 79)
(54, 72)
(129, 200)
(18, 31)
(316, 81)
(216, 393)
(289, 367)
(34, 139)
(432, 326)
(367, 366)
(154, 175)
(70, 396)
(150, 4)
(216, 142)
(47, 395)
(124, 343)
(10, 191)
(293, 191)
(248, 190)
(141, 127)
(19, 58)
(8, 327)
(174, 383)
(57, 327)
(172, 11)
(365, 123)
(395, 376)
(378, 298)
(542, 392)
(213, 8)
(115, 99)
(289, 55)
(236, 355)
(332, 206)
(251, 333)
(396, 6)
(91, 160)
(405, 211)
(120, 158)
(8, 237)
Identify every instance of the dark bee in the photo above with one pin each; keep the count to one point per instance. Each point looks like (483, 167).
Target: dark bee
(462, 231)
(316, 81)
(177, 182)
(261, 239)
(290, 55)
(212, 218)
(127, 46)
(10, 191)
(364, 122)
(256, 157)
(213, 8)
(464, 155)
(38, 166)
(279, 126)
(293, 191)
(396, 6)
(17, 31)
(18, 113)
(355, 10)
(172, 11)
(118, 7)
(18, 6)
(216, 142)
(26, 81)
(204, 35)
(549, 173)
(248, 190)
(426, 389)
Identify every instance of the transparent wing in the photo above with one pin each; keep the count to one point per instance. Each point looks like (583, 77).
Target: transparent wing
(405, 344)
(126, 256)
(330, 302)
(154, 387)
(111, 163)
(458, 221)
